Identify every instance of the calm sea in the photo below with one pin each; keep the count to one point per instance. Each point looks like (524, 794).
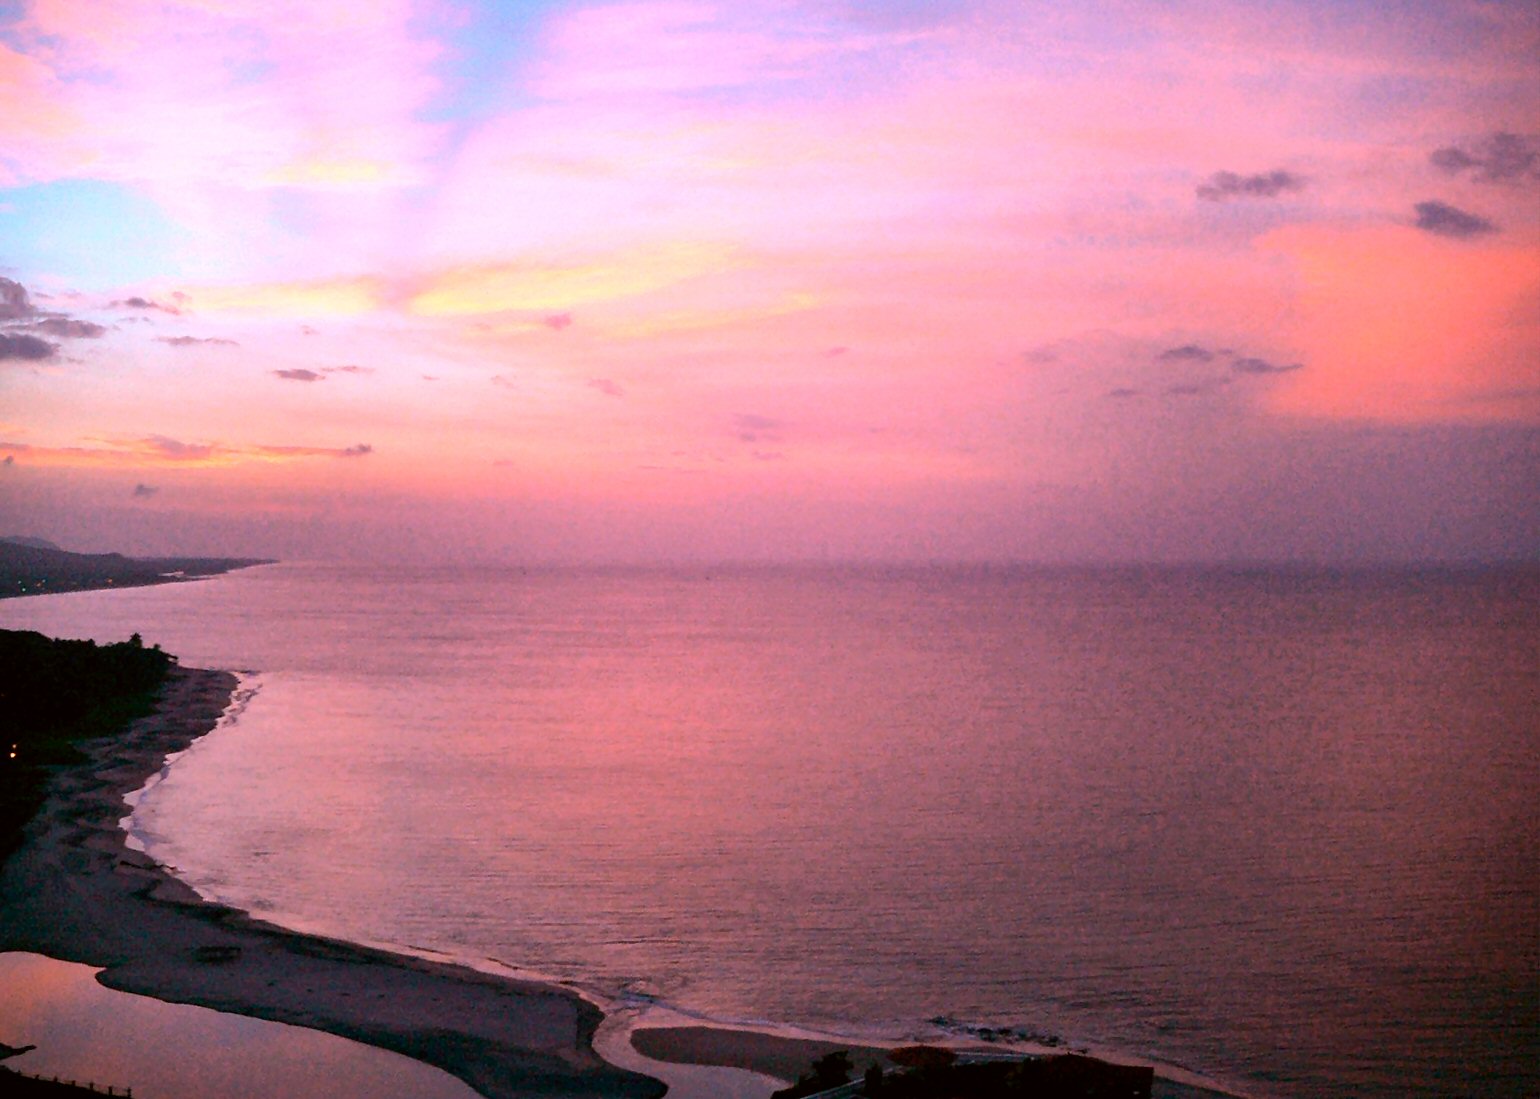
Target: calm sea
(1282, 829)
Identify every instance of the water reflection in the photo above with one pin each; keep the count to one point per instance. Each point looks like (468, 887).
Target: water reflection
(86, 1032)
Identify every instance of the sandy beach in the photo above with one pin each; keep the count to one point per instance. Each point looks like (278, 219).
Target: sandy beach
(75, 891)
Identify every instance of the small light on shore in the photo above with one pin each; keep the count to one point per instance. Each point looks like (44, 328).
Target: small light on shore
(13, 751)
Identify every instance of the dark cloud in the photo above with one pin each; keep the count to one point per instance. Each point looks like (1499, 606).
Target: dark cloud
(144, 492)
(358, 450)
(298, 374)
(1227, 185)
(350, 368)
(144, 303)
(1187, 353)
(70, 329)
(1262, 366)
(557, 321)
(194, 341)
(1447, 221)
(1499, 158)
(1184, 390)
(10, 460)
(1123, 393)
(29, 348)
(605, 386)
(14, 304)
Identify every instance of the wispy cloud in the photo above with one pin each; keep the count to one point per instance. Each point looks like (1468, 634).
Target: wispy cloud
(496, 288)
(264, 93)
(750, 427)
(298, 374)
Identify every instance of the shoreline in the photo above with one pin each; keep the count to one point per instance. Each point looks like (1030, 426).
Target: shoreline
(74, 890)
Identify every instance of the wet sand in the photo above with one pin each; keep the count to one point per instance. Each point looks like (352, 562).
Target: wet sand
(770, 1054)
(75, 891)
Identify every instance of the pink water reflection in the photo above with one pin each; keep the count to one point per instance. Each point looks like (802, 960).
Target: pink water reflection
(86, 1032)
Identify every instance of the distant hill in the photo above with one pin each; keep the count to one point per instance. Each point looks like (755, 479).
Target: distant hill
(27, 568)
(25, 540)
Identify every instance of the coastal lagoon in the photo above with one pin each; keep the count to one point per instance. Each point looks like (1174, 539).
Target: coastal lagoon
(1274, 829)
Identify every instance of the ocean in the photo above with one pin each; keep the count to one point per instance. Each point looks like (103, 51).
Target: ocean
(1279, 830)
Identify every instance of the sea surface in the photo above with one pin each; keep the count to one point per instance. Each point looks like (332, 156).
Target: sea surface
(1280, 829)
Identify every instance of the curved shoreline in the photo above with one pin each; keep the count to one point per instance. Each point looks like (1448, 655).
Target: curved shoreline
(76, 891)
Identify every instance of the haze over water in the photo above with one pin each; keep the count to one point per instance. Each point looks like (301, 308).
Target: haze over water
(1278, 828)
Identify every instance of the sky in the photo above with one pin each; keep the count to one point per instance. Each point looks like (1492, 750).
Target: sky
(1202, 280)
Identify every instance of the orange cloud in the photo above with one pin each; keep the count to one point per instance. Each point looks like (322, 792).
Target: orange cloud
(501, 287)
(161, 451)
(1399, 325)
(327, 297)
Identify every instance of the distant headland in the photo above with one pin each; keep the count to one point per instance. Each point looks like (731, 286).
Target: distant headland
(33, 566)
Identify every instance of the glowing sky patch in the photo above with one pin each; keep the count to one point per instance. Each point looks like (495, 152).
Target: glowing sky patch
(870, 279)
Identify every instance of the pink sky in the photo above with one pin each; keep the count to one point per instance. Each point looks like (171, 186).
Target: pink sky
(684, 280)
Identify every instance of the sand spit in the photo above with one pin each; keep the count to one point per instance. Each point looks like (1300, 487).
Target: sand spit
(75, 891)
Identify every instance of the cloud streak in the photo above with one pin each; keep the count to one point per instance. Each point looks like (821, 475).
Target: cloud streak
(145, 304)
(151, 451)
(68, 328)
(1187, 353)
(196, 341)
(1251, 365)
(1223, 186)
